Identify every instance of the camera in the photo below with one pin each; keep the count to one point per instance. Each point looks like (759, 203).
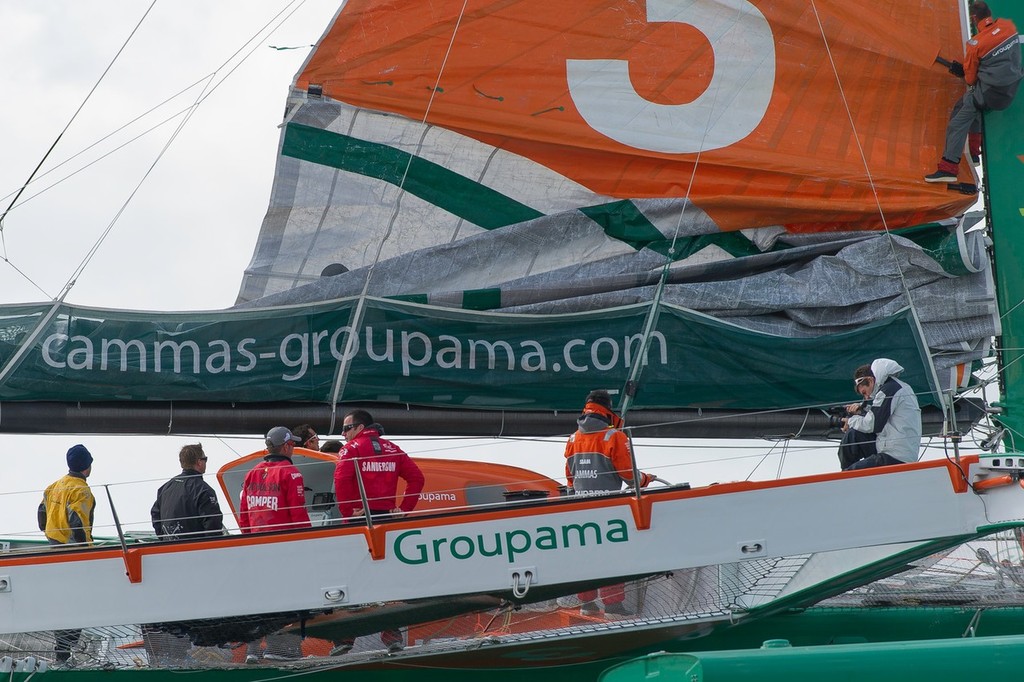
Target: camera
(836, 415)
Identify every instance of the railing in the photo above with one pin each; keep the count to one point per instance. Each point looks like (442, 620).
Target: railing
(120, 506)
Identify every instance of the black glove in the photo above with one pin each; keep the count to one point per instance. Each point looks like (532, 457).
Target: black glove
(957, 69)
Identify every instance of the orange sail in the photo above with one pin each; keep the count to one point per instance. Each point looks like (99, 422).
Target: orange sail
(773, 112)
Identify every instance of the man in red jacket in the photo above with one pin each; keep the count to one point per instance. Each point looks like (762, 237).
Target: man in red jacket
(379, 463)
(274, 498)
(273, 494)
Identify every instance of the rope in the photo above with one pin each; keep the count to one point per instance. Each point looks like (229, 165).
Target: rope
(73, 117)
(655, 311)
(341, 376)
(874, 193)
(29, 339)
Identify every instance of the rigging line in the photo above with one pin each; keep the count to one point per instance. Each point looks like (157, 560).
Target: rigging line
(16, 359)
(874, 194)
(655, 311)
(256, 36)
(104, 139)
(80, 269)
(207, 90)
(25, 276)
(705, 417)
(853, 125)
(107, 154)
(341, 376)
(73, 117)
(1015, 306)
(860, 148)
(761, 460)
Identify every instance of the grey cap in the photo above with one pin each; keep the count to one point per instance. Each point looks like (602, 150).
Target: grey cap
(279, 435)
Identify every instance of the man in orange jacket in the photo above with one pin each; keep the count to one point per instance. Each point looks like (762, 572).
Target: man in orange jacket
(992, 70)
(598, 459)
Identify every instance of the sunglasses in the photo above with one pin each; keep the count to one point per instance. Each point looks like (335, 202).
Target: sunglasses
(203, 459)
(348, 427)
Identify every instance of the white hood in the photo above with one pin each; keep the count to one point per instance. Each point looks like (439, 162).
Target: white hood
(883, 368)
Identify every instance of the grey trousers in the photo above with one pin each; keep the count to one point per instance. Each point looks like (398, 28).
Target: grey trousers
(965, 117)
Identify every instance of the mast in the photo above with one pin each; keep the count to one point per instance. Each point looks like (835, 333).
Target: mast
(1003, 159)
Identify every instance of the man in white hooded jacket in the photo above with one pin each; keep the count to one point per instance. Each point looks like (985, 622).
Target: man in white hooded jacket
(888, 431)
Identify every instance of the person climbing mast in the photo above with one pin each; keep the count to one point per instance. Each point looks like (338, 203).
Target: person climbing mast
(992, 71)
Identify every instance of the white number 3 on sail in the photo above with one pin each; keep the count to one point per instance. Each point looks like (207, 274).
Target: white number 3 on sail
(730, 107)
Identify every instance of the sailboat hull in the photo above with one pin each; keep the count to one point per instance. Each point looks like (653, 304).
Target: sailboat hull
(509, 550)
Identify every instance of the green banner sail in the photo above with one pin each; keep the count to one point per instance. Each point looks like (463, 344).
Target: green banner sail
(411, 353)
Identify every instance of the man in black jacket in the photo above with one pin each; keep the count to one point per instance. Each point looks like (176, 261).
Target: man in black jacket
(186, 506)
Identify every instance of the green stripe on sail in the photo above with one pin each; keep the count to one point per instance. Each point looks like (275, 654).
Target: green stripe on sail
(623, 221)
(481, 299)
(472, 299)
(429, 181)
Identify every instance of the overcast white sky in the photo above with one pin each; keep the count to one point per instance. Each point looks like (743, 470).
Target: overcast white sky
(187, 234)
(185, 237)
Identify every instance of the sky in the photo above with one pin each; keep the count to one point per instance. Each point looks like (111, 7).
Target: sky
(180, 201)
(186, 231)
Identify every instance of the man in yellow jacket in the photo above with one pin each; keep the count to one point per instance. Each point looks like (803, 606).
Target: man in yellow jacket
(66, 516)
(66, 512)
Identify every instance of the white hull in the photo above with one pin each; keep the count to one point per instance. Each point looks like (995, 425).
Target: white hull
(446, 555)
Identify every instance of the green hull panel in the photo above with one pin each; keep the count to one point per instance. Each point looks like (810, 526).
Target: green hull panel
(941, 659)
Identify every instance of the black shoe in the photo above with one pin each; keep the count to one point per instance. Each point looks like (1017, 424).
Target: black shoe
(940, 176)
(395, 647)
(618, 609)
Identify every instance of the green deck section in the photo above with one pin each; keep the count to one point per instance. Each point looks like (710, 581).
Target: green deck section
(974, 659)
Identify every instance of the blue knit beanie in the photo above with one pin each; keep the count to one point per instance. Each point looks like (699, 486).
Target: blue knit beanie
(79, 459)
